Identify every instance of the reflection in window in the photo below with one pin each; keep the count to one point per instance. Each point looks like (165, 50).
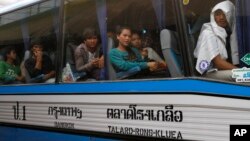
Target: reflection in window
(21, 28)
(28, 12)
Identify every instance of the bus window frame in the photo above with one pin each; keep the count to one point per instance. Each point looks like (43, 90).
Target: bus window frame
(180, 28)
(60, 44)
(185, 48)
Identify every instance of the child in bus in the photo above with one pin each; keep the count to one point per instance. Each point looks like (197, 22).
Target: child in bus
(89, 56)
(125, 57)
(10, 73)
(217, 50)
(147, 52)
(39, 65)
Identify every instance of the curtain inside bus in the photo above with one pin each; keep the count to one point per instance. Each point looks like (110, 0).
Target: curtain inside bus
(102, 16)
(160, 11)
(243, 28)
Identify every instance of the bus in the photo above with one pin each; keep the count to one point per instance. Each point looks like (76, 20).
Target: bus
(177, 104)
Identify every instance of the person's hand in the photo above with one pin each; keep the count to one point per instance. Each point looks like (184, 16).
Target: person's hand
(153, 66)
(144, 52)
(39, 55)
(101, 62)
(95, 62)
(162, 65)
(49, 75)
(20, 78)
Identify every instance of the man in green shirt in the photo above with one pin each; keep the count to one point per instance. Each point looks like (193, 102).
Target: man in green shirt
(10, 73)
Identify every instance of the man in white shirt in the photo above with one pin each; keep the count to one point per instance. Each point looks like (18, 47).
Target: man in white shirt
(217, 49)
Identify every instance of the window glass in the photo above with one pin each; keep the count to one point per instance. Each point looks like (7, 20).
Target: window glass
(84, 59)
(213, 37)
(143, 55)
(146, 19)
(21, 29)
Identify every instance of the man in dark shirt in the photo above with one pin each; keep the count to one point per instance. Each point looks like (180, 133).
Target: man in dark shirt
(39, 64)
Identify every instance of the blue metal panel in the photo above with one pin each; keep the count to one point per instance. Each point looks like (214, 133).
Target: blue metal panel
(21, 134)
(100, 139)
(153, 86)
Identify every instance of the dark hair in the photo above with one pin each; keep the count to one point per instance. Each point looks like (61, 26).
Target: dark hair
(36, 42)
(119, 29)
(131, 53)
(6, 51)
(88, 33)
(137, 33)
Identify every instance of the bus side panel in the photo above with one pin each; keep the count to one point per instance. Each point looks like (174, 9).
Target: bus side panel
(21, 134)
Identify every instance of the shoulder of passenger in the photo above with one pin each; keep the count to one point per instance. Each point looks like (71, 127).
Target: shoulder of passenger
(208, 34)
(113, 51)
(134, 49)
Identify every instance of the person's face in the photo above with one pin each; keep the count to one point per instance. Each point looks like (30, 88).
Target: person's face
(36, 49)
(220, 18)
(124, 38)
(91, 42)
(136, 41)
(12, 55)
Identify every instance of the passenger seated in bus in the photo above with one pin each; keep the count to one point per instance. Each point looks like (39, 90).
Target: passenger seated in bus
(147, 53)
(88, 55)
(124, 57)
(10, 72)
(39, 65)
(217, 50)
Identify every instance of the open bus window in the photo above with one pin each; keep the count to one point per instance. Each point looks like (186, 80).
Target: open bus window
(20, 28)
(145, 20)
(213, 37)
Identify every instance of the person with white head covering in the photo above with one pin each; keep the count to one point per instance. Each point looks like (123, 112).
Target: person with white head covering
(217, 50)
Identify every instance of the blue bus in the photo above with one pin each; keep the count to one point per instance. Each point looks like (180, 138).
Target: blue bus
(176, 104)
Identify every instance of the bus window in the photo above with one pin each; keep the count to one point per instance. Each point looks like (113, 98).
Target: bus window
(84, 59)
(24, 27)
(144, 20)
(155, 57)
(212, 35)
